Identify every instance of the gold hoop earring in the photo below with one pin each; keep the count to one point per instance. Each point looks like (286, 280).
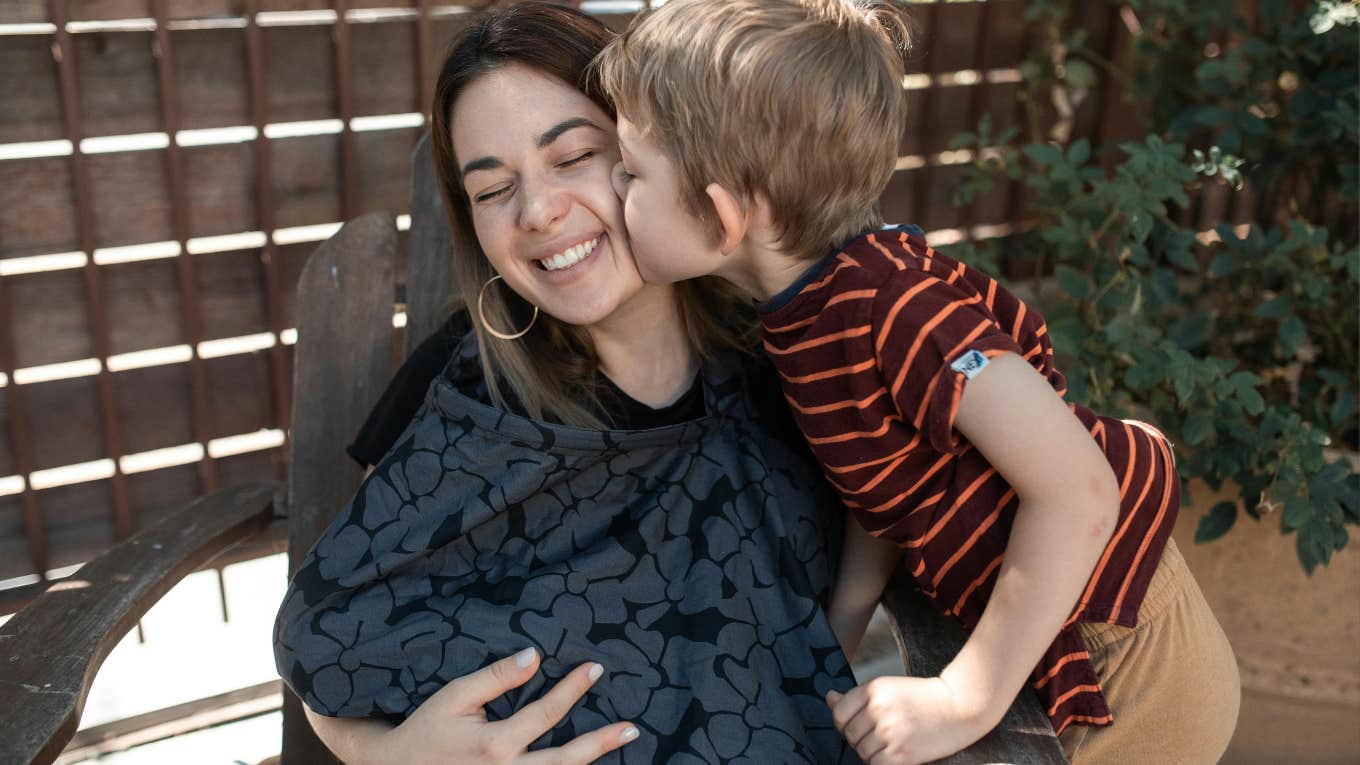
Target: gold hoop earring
(487, 326)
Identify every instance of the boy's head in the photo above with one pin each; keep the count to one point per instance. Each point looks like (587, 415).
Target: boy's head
(797, 103)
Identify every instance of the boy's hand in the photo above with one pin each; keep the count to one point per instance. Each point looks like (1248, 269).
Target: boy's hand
(906, 720)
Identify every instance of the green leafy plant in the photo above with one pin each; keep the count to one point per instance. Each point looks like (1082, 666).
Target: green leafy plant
(1241, 341)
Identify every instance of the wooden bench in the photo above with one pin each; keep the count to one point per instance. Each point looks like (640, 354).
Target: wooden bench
(51, 650)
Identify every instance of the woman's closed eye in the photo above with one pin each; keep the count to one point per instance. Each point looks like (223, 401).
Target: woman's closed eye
(566, 164)
(576, 159)
(491, 195)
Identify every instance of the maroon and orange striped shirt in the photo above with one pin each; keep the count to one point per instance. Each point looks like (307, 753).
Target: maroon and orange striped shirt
(873, 346)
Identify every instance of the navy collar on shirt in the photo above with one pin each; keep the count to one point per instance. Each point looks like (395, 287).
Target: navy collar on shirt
(816, 270)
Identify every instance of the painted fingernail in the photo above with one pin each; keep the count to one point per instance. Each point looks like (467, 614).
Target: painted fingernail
(628, 734)
(595, 672)
(526, 657)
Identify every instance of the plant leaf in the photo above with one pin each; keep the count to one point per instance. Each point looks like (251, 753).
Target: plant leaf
(1073, 281)
(1274, 308)
(1216, 522)
(1198, 426)
(1245, 384)
(1223, 264)
(1297, 512)
(1043, 154)
(1292, 333)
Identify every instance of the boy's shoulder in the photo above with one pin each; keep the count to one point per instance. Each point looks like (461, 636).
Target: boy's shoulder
(870, 278)
(894, 256)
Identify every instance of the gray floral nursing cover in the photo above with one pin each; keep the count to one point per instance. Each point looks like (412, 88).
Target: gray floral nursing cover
(690, 560)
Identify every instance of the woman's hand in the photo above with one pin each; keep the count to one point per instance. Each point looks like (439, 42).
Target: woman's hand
(906, 720)
(452, 727)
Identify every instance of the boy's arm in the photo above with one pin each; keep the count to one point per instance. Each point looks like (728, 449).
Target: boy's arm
(1069, 506)
(866, 565)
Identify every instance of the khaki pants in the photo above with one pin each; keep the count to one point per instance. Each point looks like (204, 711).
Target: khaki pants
(1171, 682)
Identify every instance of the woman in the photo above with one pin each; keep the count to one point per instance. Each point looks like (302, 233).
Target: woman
(590, 476)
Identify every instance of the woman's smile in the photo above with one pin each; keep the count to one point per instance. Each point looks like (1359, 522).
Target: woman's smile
(567, 264)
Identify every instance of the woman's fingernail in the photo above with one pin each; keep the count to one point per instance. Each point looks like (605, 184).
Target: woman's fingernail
(628, 734)
(595, 672)
(526, 657)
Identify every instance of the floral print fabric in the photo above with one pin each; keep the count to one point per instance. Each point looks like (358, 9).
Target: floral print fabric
(691, 561)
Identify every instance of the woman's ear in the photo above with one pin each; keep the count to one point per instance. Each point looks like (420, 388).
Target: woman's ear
(734, 219)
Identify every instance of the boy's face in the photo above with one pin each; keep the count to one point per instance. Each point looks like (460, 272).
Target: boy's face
(669, 244)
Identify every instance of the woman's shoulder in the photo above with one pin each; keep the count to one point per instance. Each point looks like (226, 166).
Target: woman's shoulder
(450, 334)
(407, 389)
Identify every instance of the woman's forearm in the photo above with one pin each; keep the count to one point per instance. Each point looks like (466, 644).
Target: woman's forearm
(355, 740)
(1054, 546)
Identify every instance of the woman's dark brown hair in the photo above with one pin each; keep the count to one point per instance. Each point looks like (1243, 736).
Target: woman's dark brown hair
(551, 371)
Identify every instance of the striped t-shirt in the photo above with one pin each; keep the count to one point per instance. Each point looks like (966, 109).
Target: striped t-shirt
(874, 345)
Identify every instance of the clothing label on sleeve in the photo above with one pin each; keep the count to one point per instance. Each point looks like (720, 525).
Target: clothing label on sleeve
(969, 364)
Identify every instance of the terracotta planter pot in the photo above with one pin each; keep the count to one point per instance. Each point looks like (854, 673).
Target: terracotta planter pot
(1297, 638)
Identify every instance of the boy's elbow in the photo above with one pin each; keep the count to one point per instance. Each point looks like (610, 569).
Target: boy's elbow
(1103, 493)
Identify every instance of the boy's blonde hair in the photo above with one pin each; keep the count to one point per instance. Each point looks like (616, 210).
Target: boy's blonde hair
(799, 101)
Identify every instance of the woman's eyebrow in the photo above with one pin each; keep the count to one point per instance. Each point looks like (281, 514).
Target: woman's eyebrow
(482, 163)
(556, 131)
(552, 134)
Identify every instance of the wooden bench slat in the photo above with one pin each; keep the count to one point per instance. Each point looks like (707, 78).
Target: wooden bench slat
(50, 651)
(429, 283)
(928, 641)
(343, 362)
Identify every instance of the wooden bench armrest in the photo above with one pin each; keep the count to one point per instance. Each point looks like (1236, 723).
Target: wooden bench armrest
(928, 642)
(51, 650)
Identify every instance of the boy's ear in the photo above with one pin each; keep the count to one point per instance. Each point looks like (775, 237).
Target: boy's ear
(733, 217)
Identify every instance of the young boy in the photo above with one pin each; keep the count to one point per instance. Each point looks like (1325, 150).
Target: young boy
(757, 136)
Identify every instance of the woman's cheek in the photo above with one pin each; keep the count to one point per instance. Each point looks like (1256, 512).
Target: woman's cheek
(488, 225)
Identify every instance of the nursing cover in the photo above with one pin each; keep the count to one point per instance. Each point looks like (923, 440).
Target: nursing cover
(691, 561)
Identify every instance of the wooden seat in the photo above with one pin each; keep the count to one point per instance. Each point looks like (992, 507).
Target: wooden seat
(928, 641)
(50, 651)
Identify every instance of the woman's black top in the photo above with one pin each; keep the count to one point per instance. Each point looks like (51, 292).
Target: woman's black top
(691, 559)
(404, 394)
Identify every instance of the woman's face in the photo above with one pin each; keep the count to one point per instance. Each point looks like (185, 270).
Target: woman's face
(536, 156)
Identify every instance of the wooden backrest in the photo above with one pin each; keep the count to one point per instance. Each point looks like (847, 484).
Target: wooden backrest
(342, 363)
(429, 261)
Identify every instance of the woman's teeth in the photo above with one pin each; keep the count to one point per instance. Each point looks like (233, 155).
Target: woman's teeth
(570, 257)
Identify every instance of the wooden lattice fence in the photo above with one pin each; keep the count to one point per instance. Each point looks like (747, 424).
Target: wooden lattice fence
(167, 165)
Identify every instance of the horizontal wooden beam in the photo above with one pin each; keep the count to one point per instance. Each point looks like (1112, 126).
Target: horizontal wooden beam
(177, 720)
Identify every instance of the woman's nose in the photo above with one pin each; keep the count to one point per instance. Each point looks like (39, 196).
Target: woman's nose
(543, 204)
